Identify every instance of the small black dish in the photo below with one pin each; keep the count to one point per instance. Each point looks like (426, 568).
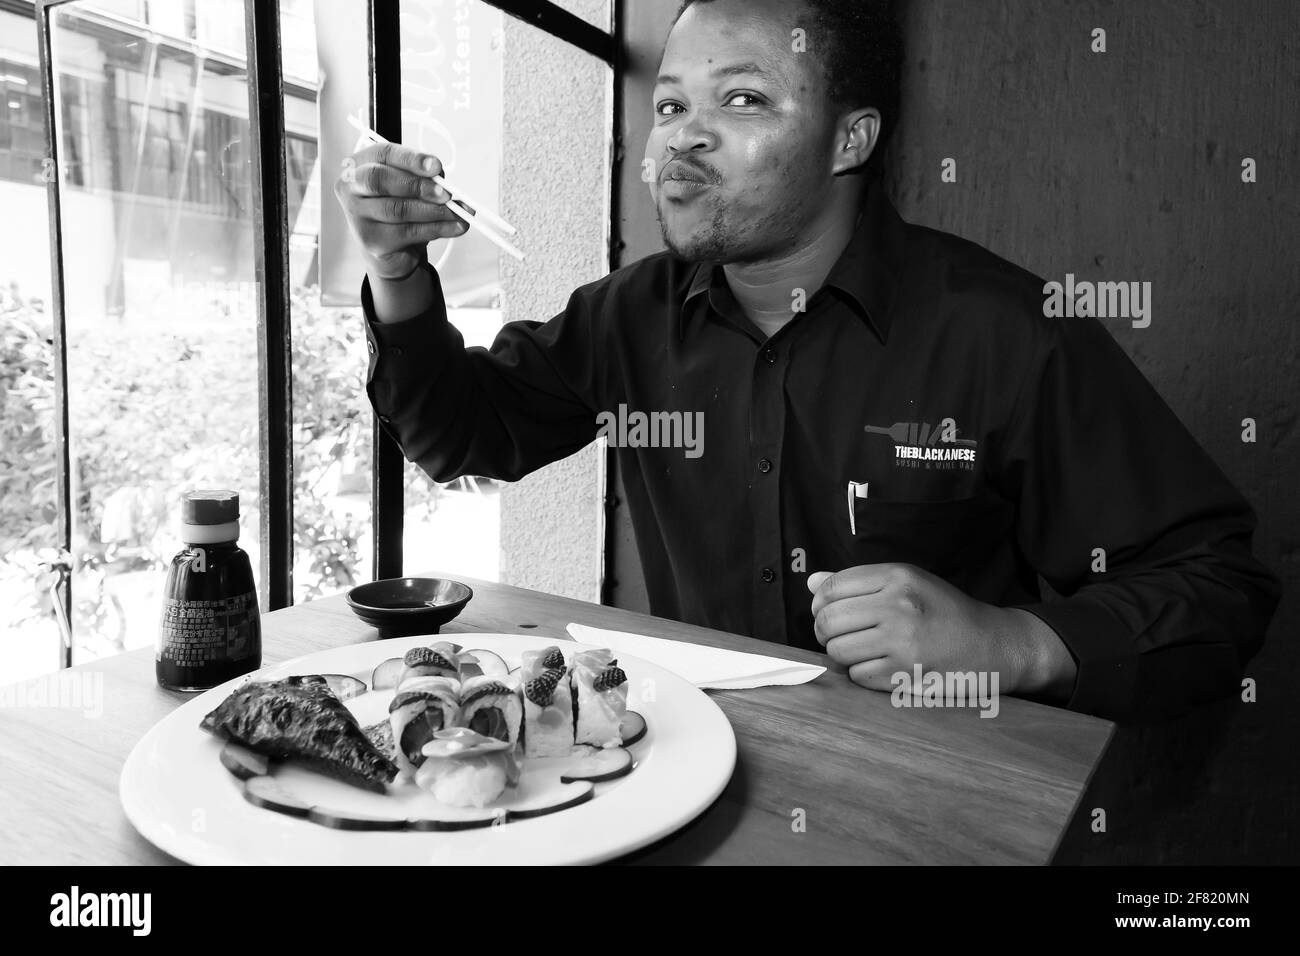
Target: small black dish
(404, 607)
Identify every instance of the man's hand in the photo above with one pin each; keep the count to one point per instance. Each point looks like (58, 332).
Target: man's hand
(394, 207)
(879, 619)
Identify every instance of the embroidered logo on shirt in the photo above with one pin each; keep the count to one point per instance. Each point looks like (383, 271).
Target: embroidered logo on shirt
(922, 445)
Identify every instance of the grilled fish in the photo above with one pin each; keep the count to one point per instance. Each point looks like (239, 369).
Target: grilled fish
(302, 719)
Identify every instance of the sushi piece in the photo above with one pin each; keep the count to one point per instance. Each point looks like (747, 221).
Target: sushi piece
(414, 717)
(548, 704)
(421, 707)
(428, 662)
(599, 699)
(463, 768)
(491, 707)
(445, 689)
(302, 719)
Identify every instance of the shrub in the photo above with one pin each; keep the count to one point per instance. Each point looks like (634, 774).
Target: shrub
(154, 413)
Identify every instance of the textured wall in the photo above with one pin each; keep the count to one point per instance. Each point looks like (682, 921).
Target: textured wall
(555, 189)
(1126, 166)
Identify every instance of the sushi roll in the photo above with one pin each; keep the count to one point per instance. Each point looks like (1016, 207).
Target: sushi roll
(599, 699)
(491, 707)
(548, 704)
(445, 689)
(414, 717)
(433, 661)
(423, 706)
(463, 768)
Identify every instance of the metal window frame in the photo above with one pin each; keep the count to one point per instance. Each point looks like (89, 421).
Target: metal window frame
(266, 88)
(271, 269)
(563, 25)
(62, 592)
(387, 499)
(274, 309)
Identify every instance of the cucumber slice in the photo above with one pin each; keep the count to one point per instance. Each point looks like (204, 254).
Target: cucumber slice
(242, 762)
(266, 793)
(469, 821)
(387, 673)
(632, 728)
(341, 820)
(601, 765)
(572, 795)
(491, 664)
(345, 687)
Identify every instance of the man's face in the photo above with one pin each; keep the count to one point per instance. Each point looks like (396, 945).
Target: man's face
(738, 110)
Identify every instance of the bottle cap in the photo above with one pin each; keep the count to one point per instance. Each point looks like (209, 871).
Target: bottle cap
(209, 507)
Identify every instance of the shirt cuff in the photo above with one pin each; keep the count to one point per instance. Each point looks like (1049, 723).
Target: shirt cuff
(399, 351)
(407, 336)
(1103, 650)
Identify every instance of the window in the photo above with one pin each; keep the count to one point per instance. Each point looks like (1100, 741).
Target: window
(160, 305)
(22, 132)
(159, 311)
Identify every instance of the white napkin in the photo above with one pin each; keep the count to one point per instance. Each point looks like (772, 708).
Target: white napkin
(702, 666)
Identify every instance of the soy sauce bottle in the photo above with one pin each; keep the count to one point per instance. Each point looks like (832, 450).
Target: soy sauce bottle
(210, 630)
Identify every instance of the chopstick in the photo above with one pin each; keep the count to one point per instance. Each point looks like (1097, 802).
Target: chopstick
(457, 193)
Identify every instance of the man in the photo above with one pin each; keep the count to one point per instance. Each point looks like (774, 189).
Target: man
(881, 401)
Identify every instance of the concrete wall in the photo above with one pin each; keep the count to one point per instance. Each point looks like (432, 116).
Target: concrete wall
(1124, 165)
(555, 189)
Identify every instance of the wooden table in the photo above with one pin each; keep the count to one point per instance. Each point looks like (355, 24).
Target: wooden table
(876, 784)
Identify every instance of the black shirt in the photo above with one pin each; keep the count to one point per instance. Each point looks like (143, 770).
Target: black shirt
(923, 409)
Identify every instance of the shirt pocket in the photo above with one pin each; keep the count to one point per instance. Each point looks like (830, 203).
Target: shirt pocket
(949, 537)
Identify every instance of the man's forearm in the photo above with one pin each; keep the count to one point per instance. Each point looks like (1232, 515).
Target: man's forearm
(401, 299)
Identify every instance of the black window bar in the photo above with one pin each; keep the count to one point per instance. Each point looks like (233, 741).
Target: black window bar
(62, 589)
(387, 498)
(271, 263)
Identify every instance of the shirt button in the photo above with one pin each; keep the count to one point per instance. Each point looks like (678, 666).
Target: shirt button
(764, 465)
(768, 575)
(770, 356)
(370, 347)
(385, 419)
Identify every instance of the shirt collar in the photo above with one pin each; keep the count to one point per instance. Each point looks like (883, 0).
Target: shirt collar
(866, 272)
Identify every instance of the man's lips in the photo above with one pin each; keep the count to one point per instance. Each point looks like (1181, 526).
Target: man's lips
(676, 172)
(683, 190)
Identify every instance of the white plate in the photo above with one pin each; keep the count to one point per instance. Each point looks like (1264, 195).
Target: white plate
(178, 795)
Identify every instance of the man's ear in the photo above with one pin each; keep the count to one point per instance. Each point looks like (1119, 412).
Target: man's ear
(858, 133)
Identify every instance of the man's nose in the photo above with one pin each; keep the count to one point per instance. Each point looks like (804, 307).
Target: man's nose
(694, 134)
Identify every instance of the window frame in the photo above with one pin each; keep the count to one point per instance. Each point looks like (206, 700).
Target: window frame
(266, 86)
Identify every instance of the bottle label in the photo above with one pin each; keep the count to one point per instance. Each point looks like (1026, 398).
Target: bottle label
(196, 632)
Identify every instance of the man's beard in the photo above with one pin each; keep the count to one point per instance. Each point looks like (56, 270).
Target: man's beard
(723, 240)
(712, 243)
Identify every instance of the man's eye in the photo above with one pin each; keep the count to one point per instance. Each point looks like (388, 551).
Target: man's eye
(663, 108)
(744, 96)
